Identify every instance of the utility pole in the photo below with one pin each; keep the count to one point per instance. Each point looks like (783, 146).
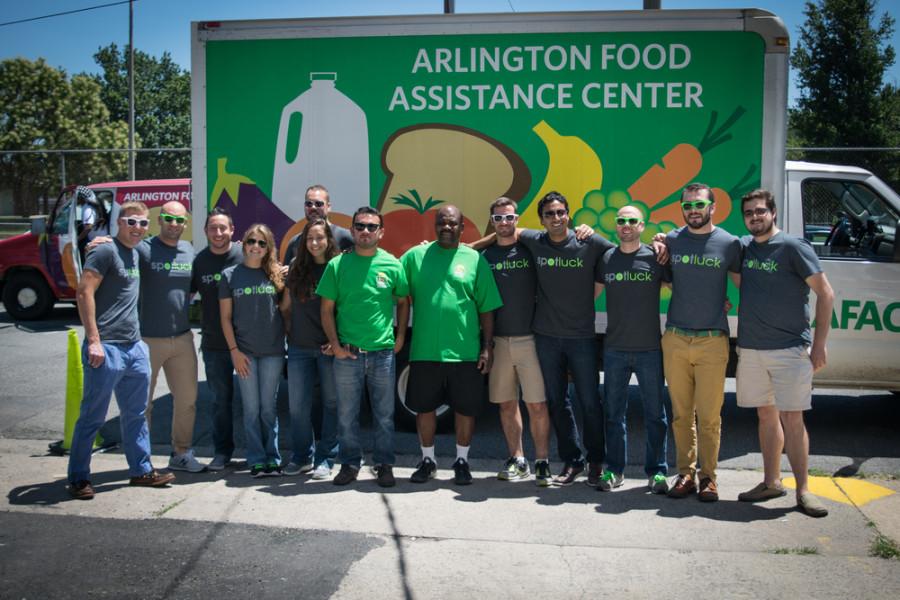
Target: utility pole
(131, 90)
(652, 4)
(449, 7)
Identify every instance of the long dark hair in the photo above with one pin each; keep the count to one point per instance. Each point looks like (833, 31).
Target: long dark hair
(301, 279)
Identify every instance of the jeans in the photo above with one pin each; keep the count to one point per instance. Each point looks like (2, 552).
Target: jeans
(305, 366)
(125, 370)
(375, 370)
(259, 394)
(558, 356)
(617, 368)
(220, 379)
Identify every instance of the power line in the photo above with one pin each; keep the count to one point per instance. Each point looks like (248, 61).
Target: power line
(68, 12)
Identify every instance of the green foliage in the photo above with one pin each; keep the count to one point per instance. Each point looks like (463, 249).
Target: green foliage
(40, 108)
(840, 61)
(162, 107)
(884, 547)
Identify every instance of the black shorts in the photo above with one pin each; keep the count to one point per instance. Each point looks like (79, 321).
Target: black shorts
(459, 384)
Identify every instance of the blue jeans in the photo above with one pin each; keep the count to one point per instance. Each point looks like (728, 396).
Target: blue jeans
(220, 379)
(125, 370)
(259, 395)
(374, 370)
(304, 366)
(558, 357)
(617, 370)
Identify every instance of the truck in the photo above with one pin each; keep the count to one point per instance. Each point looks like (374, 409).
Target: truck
(405, 113)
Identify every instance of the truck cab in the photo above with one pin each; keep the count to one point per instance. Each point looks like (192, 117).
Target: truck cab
(41, 267)
(850, 217)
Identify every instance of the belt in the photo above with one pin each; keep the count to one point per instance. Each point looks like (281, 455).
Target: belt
(695, 332)
(355, 349)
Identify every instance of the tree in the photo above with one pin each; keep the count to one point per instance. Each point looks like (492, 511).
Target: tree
(162, 107)
(40, 109)
(841, 59)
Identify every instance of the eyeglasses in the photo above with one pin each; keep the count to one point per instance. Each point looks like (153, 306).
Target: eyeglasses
(172, 218)
(508, 218)
(256, 242)
(628, 221)
(695, 205)
(552, 214)
(370, 227)
(758, 212)
(133, 222)
(314, 203)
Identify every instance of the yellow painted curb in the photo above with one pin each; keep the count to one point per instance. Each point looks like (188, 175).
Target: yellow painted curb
(845, 490)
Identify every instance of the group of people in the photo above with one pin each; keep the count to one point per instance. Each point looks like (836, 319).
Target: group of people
(517, 307)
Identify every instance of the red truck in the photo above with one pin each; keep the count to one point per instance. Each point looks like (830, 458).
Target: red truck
(38, 268)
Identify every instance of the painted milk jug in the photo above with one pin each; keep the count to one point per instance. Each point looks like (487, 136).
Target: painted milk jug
(332, 150)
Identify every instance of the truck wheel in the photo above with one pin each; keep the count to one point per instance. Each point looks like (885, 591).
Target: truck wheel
(27, 297)
(405, 417)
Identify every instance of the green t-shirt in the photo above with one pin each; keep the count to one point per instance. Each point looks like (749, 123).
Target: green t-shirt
(449, 289)
(363, 289)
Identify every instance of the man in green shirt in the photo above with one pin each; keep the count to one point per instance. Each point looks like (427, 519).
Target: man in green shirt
(362, 286)
(453, 293)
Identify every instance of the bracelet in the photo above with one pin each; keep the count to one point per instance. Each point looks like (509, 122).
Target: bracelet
(232, 348)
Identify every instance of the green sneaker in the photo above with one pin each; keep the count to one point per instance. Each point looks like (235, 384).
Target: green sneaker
(542, 475)
(658, 484)
(514, 468)
(610, 480)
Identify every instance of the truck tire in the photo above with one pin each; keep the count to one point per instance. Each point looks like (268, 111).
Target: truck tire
(27, 297)
(405, 417)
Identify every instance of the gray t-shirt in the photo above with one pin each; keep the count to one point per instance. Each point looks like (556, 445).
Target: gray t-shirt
(306, 317)
(165, 287)
(513, 269)
(205, 279)
(632, 299)
(774, 309)
(566, 273)
(700, 265)
(257, 322)
(342, 237)
(116, 299)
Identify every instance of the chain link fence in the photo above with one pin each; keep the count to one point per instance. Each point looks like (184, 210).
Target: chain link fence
(31, 180)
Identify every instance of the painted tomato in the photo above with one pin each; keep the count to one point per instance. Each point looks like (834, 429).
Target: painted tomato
(404, 229)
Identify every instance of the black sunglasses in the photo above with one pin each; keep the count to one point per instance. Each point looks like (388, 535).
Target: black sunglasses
(256, 242)
(560, 212)
(316, 203)
(370, 227)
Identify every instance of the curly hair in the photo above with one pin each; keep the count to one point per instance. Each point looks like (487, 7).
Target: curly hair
(270, 264)
(301, 279)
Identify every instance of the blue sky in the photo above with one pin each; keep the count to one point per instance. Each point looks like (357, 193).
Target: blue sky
(70, 41)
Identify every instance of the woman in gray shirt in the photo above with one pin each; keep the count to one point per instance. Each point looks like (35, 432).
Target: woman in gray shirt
(253, 327)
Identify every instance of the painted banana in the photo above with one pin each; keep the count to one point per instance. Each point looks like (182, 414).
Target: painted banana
(573, 171)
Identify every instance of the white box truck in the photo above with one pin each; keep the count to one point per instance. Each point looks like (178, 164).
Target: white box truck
(405, 113)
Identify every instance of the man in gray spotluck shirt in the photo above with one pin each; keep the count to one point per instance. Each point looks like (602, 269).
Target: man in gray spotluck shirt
(695, 344)
(777, 353)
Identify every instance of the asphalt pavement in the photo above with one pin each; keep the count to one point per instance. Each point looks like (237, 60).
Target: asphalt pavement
(216, 534)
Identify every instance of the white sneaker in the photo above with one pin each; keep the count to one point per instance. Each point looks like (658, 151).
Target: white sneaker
(323, 471)
(295, 469)
(218, 463)
(185, 462)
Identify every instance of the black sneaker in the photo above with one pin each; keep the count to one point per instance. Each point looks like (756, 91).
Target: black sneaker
(346, 475)
(542, 474)
(595, 474)
(461, 473)
(384, 475)
(569, 474)
(257, 471)
(273, 470)
(425, 470)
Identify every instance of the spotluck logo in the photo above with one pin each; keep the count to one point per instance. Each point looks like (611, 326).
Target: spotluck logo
(768, 265)
(210, 279)
(625, 276)
(696, 260)
(511, 264)
(170, 266)
(251, 290)
(560, 263)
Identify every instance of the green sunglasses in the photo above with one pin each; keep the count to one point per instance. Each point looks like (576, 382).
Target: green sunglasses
(172, 218)
(628, 221)
(695, 205)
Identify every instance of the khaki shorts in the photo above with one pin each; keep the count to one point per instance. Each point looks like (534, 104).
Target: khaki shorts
(780, 378)
(515, 363)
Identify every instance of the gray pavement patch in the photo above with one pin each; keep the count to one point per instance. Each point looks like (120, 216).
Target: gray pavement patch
(84, 557)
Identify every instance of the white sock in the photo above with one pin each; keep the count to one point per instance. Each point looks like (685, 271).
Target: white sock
(428, 453)
(462, 452)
